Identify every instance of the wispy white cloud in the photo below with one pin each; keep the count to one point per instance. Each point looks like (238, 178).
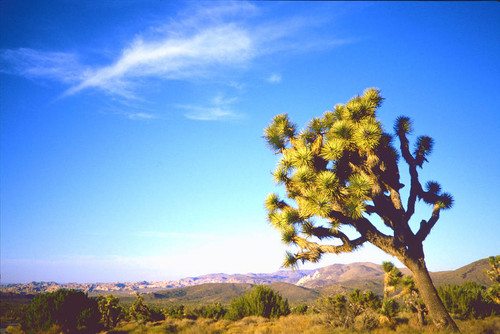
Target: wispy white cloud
(274, 78)
(35, 64)
(203, 42)
(172, 58)
(220, 108)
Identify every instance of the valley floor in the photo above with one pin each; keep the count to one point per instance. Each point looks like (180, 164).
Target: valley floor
(293, 324)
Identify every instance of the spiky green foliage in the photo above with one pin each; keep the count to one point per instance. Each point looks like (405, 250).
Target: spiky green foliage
(342, 169)
(403, 125)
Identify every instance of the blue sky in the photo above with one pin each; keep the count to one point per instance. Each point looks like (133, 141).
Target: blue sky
(131, 131)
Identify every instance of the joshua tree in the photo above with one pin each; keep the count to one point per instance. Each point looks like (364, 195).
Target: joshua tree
(494, 276)
(393, 280)
(341, 170)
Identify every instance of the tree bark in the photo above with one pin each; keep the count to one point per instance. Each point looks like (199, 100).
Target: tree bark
(437, 311)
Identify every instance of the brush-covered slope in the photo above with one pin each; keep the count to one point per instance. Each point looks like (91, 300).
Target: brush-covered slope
(338, 273)
(223, 292)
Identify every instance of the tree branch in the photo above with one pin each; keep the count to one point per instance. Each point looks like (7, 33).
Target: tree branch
(426, 226)
(415, 187)
(314, 251)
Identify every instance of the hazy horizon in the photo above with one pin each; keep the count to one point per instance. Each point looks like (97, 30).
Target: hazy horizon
(131, 132)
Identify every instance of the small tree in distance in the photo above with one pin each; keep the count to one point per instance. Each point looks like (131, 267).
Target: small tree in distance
(260, 301)
(342, 169)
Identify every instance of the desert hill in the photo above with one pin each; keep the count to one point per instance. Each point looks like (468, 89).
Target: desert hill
(474, 271)
(330, 279)
(208, 293)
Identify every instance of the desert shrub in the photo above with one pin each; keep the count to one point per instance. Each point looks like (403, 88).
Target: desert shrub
(336, 311)
(300, 309)
(69, 310)
(494, 293)
(389, 308)
(367, 321)
(215, 311)
(360, 302)
(143, 313)
(468, 301)
(340, 311)
(174, 312)
(110, 310)
(260, 301)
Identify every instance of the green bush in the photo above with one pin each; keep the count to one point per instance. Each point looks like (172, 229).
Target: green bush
(300, 309)
(260, 301)
(390, 308)
(174, 312)
(215, 311)
(468, 301)
(142, 312)
(72, 311)
(111, 311)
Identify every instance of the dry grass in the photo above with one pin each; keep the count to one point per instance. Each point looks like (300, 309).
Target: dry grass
(292, 324)
(295, 324)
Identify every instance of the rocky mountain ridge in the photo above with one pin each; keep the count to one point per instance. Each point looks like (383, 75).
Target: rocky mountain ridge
(145, 286)
(338, 276)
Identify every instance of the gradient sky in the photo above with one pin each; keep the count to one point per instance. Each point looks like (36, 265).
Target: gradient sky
(131, 131)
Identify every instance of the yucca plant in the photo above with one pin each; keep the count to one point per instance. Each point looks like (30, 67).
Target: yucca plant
(341, 170)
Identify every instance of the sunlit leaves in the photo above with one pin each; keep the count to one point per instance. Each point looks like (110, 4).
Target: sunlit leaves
(355, 208)
(290, 216)
(282, 220)
(304, 176)
(302, 156)
(341, 112)
(273, 203)
(280, 175)
(278, 132)
(445, 201)
(343, 130)
(357, 109)
(372, 95)
(359, 186)
(290, 260)
(316, 126)
(274, 139)
(316, 204)
(423, 148)
(274, 219)
(288, 234)
(327, 183)
(329, 119)
(367, 136)
(332, 150)
(403, 125)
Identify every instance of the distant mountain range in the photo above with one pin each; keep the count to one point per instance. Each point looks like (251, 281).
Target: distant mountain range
(327, 280)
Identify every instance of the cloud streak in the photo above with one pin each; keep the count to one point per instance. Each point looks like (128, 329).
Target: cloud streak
(172, 58)
(34, 64)
(209, 42)
(220, 108)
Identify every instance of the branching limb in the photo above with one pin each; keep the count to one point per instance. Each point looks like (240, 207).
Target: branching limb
(402, 127)
(369, 209)
(426, 226)
(312, 251)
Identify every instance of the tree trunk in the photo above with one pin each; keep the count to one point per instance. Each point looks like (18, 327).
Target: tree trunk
(437, 311)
